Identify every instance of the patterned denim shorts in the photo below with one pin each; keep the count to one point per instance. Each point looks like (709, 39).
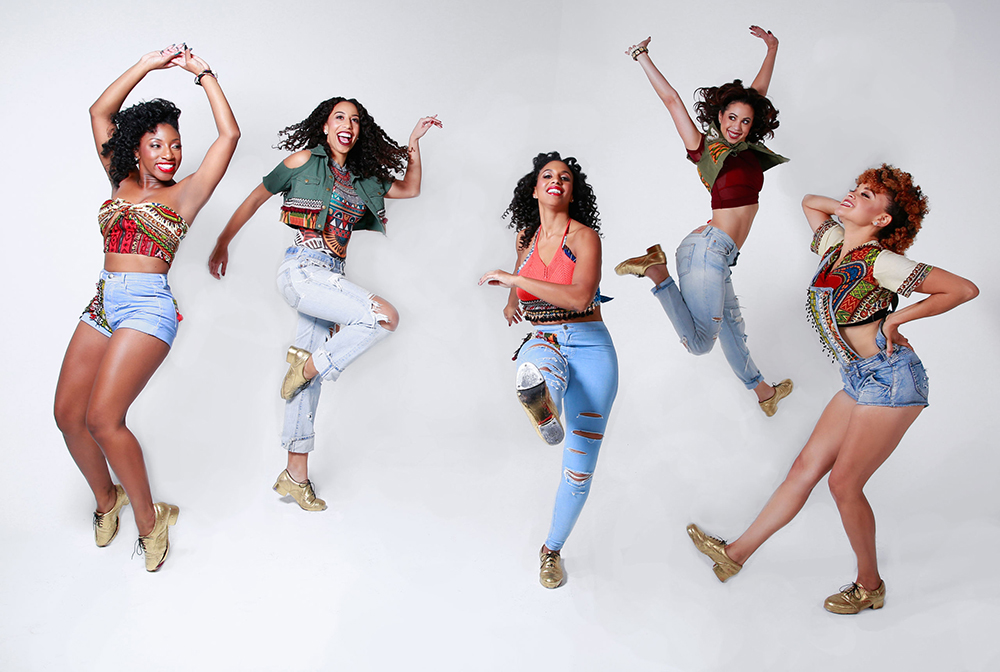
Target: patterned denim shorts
(140, 301)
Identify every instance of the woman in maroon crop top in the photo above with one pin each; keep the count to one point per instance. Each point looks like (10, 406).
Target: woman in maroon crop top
(126, 331)
(701, 303)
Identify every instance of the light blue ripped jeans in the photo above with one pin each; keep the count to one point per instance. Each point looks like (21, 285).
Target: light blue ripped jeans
(704, 306)
(581, 371)
(313, 283)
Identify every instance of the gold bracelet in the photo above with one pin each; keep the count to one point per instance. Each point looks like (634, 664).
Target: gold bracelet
(637, 51)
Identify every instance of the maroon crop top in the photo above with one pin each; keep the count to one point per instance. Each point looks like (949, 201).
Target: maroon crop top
(739, 182)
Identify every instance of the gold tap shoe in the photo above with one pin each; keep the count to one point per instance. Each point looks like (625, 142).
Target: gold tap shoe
(854, 598)
(106, 524)
(155, 545)
(534, 396)
(551, 573)
(638, 265)
(781, 390)
(302, 493)
(715, 549)
(295, 379)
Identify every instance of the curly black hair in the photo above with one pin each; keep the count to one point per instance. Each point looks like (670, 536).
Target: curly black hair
(715, 99)
(523, 208)
(374, 154)
(130, 125)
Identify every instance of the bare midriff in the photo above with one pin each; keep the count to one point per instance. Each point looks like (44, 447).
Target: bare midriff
(133, 263)
(861, 338)
(735, 222)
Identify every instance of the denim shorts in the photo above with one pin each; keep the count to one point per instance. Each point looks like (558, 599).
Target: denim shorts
(894, 380)
(140, 301)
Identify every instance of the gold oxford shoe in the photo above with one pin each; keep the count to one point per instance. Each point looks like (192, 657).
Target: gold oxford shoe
(155, 545)
(855, 597)
(106, 524)
(638, 265)
(302, 493)
(534, 396)
(781, 390)
(295, 379)
(551, 573)
(715, 549)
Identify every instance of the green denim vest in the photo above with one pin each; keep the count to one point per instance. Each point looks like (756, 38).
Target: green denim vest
(715, 149)
(307, 192)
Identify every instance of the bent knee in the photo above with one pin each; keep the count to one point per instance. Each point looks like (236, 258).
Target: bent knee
(100, 423)
(845, 487)
(70, 416)
(385, 313)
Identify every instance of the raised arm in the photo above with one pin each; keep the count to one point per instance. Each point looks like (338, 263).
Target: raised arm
(689, 133)
(946, 291)
(763, 79)
(219, 259)
(818, 209)
(198, 187)
(110, 102)
(576, 296)
(409, 186)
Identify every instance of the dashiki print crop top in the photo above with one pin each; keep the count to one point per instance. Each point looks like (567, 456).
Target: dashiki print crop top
(560, 271)
(866, 281)
(346, 209)
(149, 229)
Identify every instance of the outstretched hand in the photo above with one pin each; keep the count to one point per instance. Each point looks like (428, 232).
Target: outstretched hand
(644, 43)
(424, 125)
(769, 39)
(498, 278)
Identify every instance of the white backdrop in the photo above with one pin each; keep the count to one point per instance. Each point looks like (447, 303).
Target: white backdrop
(439, 492)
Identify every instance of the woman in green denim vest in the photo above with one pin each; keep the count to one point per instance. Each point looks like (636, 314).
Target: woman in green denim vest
(701, 303)
(334, 184)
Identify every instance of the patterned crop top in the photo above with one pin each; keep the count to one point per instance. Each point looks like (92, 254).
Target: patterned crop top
(860, 289)
(345, 210)
(559, 271)
(149, 229)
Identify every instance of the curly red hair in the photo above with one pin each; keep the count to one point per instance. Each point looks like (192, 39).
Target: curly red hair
(907, 205)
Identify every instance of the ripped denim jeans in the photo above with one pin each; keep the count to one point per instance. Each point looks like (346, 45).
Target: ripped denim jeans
(702, 305)
(580, 367)
(337, 321)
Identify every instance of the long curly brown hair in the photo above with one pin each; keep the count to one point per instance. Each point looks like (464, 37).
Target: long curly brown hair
(523, 209)
(907, 205)
(715, 99)
(374, 154)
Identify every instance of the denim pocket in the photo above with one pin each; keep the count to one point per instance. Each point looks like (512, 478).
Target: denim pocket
(920, 382)
(684, 255)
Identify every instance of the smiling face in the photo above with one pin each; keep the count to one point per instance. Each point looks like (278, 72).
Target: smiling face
(342, 129)
(862, 206)
(735, 122)
(554, 186)
(159, 153)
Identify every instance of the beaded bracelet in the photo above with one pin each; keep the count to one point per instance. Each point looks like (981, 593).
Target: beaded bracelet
(197, 80)
(637, 51)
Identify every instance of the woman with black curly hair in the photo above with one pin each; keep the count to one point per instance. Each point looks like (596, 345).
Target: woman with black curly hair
(128, 329)
(852, 302)
(701, 303)
(334, 185)
(568, 359)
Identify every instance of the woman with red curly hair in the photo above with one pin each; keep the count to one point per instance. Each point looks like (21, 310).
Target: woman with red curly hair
(852, 301)
(701, 303)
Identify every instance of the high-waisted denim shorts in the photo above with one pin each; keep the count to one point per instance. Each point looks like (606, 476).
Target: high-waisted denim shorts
(892, 380)
(140, 301)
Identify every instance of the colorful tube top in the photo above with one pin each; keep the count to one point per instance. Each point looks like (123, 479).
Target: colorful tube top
(559, 271)
(149, 229)
(860, 289)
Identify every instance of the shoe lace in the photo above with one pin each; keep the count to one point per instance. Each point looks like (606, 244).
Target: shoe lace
(140, 547)
(98, 519)
(550, 560)
(851, 590)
